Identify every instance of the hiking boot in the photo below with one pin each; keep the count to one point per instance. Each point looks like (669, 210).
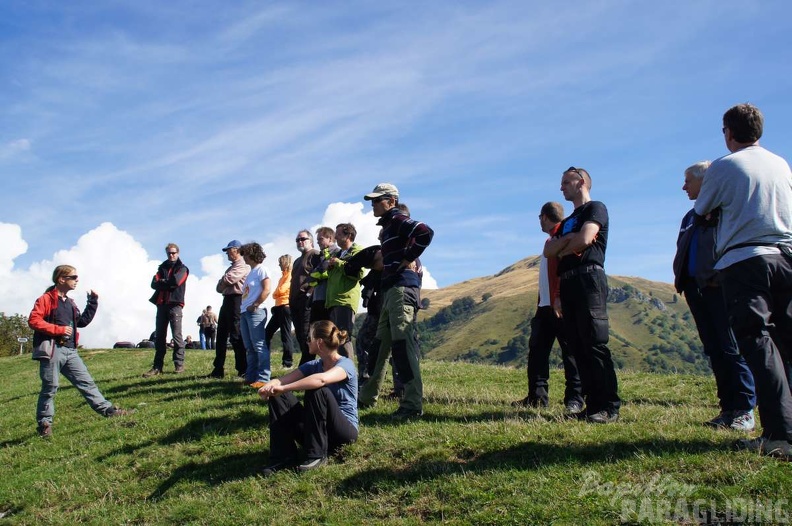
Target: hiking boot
(743, 421)
(45, 429)
(152, 372)
(287, 365)
(279, 465)
(722, 421)
(395, 395)
(766, 446)
(179, 369)
(312, 463)
(573, 408)
(602, 417)
(256, 385)
(117, 411)
(216, 373)
(403, 413)
(529, 402)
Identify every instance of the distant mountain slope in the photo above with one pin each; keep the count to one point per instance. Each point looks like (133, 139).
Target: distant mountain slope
(488, 320)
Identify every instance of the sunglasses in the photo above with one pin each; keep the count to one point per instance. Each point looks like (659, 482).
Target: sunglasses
(301, 239)
(73, 277)
(380, 198)
(573, 169)
(172, 253)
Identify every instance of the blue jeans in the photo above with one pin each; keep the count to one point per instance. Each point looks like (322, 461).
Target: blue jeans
(66, 360)
(253, 326)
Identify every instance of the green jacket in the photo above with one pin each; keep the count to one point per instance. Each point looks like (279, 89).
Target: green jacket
(343, 290)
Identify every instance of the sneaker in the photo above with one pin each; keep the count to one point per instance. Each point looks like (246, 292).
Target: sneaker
(743, 421)
(765, 446)
(312, 463)
(406, 414)
(152, 372)
(573, 408)
(722, 421)
(216, 373)
(179, 369)
(256, 385)
(602, 417)
(117, 411)
(45, 429)
(277, 466)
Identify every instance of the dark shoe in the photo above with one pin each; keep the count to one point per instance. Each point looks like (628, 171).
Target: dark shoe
(366, 405)
(765, 446)
(287, 365)
(117, 411)
(216, 373)
(529, 402)
(45, 429)
(312, 463)
(277, 466)
(152, 372)
(602, 417)
(406, 414)
(573, 408)
(722, 421)
(395, 395)
(179, 369)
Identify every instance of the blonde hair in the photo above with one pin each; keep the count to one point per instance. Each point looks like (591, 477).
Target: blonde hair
(285, 261)
(61, 271)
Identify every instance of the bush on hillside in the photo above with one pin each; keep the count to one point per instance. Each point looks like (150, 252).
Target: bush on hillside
(11, 328)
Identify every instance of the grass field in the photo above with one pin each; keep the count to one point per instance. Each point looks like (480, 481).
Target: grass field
(191, 452)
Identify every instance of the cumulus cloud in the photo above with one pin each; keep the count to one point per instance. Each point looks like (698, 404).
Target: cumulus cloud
(112, 263)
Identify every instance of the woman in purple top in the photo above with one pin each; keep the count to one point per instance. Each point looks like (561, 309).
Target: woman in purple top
(327, 418)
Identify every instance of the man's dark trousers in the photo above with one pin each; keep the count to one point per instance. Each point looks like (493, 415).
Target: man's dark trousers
(583, 303)
(546, 328)
(228, 328)
(758, 294)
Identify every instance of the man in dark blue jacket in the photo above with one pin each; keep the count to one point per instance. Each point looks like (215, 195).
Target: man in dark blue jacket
(696, 278)
(169, 284)
(403, 241)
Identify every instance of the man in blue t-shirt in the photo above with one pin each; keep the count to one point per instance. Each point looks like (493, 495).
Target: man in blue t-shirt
(580, 246)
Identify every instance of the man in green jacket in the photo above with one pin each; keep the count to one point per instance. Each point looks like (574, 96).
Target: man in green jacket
(343, 291)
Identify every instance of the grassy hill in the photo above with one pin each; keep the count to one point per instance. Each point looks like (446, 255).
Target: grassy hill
(488, 320)
(191, 451)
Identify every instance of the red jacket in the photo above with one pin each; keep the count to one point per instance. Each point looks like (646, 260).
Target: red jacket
(552, 271)
(41, 317)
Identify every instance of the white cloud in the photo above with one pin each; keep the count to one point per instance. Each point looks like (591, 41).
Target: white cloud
(115, 265)
(14, 148)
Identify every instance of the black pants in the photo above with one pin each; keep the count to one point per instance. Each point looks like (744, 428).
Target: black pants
(301, 316)
(343, 318)
(281, 320)
(758, 294)
(733, 378)
(168, 315)
(209, 334)
(583, 302)
(546, 328)
(228, 329)
(320, 426)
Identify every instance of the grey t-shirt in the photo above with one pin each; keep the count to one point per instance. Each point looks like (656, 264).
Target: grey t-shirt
(753, 189)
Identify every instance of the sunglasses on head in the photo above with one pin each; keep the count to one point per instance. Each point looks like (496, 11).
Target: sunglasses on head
(573, 169)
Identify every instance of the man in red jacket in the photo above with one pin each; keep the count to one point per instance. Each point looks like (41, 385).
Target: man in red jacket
(547, 327)
(169, 284)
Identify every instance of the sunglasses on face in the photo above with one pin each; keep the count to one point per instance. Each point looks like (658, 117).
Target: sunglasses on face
(380, 199)
(301, 239)
(72, 278)
(172, 253)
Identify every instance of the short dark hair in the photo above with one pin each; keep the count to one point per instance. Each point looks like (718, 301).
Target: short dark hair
(325, 231)
(404, 209)
(254, 251)
(553, 211)
(348, 229)
(745, 122)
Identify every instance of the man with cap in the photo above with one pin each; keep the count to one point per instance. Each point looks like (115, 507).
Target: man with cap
(403, 241)
(230, 286)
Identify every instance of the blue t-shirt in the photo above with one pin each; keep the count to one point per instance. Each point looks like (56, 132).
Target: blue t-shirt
(345, 392)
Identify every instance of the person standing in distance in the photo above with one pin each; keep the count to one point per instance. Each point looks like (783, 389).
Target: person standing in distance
(753, 189)
(580, 246)
(169, 284)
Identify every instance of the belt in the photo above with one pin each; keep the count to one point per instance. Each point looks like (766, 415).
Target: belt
(584, 269)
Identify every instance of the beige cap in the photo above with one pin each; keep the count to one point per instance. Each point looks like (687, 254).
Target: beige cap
(382, 189)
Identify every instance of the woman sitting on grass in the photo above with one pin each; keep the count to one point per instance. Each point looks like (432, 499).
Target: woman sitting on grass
(328, 419)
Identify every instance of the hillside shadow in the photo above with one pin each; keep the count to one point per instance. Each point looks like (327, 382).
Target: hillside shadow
(197, 428)
(525, 456)
(216, 472)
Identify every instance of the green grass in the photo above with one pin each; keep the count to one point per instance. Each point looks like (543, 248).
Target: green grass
(191, 451)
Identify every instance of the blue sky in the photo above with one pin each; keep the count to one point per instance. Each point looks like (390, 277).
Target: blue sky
(200, 122)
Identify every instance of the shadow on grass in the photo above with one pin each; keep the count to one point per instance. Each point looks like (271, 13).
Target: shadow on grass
(525, 456)
(219, 471)
(196, 428)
